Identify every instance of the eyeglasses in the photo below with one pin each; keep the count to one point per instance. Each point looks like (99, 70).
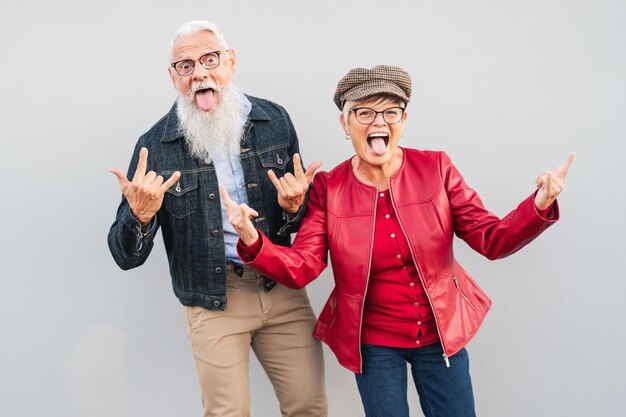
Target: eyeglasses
(209, 61)
(366, 116)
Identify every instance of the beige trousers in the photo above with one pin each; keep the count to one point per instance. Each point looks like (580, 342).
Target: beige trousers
(278, 325)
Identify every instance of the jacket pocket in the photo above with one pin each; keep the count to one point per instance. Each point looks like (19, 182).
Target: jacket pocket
(333, 310)
(274, 158)
(328, 314)
(465, 297)
(182, 198)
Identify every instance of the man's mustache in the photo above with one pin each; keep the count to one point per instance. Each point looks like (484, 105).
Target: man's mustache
(203, 85)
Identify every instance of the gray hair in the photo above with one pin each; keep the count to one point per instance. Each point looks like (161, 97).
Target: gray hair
(196, 26)
(377, 100)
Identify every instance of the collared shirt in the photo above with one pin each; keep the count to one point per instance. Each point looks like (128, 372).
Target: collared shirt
(230, 173)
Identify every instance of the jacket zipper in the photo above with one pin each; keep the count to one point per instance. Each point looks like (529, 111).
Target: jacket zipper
(419, 273)
(458, 287)
(367, 281)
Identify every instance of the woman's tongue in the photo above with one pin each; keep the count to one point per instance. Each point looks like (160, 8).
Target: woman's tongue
(378, 145)
(205, 99)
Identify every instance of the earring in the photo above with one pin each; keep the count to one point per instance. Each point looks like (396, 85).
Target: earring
(348, 137)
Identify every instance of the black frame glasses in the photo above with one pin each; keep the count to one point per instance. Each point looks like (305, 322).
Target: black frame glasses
(203, 60)
(363, 114)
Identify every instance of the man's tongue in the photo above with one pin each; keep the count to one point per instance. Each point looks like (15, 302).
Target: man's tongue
(204, 99)
(378, 145)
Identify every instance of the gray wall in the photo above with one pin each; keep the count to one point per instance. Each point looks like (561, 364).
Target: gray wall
(507, 88)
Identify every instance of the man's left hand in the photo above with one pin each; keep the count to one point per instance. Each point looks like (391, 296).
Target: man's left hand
(293, 187)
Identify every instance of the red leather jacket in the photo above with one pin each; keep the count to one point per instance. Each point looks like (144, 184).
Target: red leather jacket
(432, 203)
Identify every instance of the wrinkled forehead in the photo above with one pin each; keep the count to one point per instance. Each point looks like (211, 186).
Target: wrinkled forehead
(191, 46)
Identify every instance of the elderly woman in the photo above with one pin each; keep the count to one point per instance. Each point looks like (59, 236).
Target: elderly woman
(387, 216)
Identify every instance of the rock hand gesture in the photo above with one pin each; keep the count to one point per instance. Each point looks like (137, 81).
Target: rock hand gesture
(145, 192)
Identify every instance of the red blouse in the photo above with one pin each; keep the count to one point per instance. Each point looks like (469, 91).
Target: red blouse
(397, 311)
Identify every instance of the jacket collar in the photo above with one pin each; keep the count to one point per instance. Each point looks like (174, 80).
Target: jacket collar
(172, 133)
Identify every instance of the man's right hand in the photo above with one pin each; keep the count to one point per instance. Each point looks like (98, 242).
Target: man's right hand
(145, 192)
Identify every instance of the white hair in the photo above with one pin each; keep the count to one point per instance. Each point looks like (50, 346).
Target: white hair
(196, 26)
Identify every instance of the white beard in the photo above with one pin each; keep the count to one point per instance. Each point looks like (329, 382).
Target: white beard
(217, 132)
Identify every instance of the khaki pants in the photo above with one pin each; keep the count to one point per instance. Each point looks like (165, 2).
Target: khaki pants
(278, 326)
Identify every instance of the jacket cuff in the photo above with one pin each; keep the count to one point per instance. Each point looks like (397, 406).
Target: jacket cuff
(292, 221)
(249, 253)
(141, 237)
(551, 214)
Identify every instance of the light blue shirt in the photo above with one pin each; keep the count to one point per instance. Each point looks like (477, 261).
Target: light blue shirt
(230, 174)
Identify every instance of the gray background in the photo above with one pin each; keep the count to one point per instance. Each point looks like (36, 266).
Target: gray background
(508, 88)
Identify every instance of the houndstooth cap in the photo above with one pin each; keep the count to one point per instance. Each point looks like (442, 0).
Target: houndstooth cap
(360, 83)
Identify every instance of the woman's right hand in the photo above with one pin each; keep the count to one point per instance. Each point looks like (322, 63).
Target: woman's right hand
(239, 216)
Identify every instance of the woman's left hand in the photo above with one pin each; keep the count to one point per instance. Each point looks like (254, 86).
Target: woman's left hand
(239, 216)
(551, 184)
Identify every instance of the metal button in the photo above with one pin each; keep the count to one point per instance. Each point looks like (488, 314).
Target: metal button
(417, 342)
(386, 216)
(393, 235)
(216, 303)
(215, 232)
(411, 284)
(382, 194)
(419, 322)
(211, 196)
(398, 256)
(218, 269)
(416, 304)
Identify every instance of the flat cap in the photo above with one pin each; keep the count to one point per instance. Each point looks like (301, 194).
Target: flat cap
(360, 83)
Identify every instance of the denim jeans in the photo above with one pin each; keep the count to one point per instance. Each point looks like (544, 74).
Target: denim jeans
(443, 391)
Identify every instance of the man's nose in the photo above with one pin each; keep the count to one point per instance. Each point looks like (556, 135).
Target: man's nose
(199, 72)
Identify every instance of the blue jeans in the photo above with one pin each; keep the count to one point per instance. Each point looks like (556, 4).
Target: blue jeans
(443, 391)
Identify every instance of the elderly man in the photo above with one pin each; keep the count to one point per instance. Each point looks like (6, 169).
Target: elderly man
(214, 134)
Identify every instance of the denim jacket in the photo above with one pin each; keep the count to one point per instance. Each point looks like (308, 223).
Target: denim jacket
(190, 217)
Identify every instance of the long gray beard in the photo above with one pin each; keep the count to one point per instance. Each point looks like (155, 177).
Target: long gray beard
(217, 132)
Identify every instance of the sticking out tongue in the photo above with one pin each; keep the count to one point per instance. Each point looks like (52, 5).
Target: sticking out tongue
(378, 145)
(204, 99)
